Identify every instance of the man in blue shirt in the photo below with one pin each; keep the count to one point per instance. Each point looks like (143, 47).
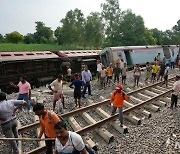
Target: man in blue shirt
(8, 120)
(77, 90)
(86, 78)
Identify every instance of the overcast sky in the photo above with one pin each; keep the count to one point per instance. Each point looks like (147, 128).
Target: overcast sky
(20, 15)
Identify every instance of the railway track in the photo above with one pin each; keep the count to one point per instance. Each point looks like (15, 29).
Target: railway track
(143, 101)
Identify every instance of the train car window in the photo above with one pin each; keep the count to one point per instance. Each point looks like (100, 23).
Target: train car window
(66, 52)
(89, 51)
(48, 53)
(73, 52)
(78, 52)
(18, 54)
(84, 52)
(4, 55)
(29, 54)
(94, 51)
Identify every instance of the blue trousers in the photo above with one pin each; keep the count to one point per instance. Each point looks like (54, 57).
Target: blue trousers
(24, 97)
(87, 85)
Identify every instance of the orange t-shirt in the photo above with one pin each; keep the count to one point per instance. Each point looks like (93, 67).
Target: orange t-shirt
(47, 125)
(117, 99)
(109, 71)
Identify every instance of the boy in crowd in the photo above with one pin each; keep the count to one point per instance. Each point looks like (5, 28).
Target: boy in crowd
(116, 73)
(148, 71)
(109, 73)
(103, 74)
(57, 90)
(77, 90)
(155, 69)
(137, 74)
(124, 70)
(166, 72)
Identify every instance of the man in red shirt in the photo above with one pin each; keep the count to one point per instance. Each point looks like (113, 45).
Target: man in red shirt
(118, 97)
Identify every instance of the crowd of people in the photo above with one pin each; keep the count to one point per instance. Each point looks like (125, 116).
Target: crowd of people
(55, 127)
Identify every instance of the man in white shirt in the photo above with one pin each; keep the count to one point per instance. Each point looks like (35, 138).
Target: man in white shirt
(99, 68)
(176, 90)
(172, 60)
(57, 90)
(67, 141)
(69, 74)
(8, 120)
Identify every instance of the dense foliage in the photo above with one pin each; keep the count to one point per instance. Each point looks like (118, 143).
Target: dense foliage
(110, 27)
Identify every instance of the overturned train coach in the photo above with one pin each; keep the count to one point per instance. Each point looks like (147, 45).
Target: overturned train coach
(78, 58)
(39, 67)
(137, 54)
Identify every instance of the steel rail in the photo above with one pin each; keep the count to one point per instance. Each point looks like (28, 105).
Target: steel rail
(26, 128)
(107, 120)
(126, 111)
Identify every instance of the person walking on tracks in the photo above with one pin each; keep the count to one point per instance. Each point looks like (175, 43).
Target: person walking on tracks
(77, 90)
(118, 97)
(24, 91)
(176, 90)
(166, 72)
(137, 74)
(86, 78)
(47, 121)
(68, 142)
(57, 90)
(8, 120)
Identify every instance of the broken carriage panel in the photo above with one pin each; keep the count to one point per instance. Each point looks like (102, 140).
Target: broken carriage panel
(34, 65)
(78, 58)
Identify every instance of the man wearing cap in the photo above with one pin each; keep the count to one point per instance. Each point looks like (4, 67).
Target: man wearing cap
(118, 97)
(77, 90)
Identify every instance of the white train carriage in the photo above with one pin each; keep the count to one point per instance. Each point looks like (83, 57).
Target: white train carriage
(136, 54)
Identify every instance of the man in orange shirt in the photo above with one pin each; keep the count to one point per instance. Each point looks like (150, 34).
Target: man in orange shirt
(118, 97)
(47, 121)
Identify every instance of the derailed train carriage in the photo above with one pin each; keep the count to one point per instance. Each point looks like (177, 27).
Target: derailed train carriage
(39, 67)
(78, 58)
(137, 54)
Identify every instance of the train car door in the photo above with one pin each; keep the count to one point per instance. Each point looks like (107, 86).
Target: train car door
(105, 59)
(128, 57)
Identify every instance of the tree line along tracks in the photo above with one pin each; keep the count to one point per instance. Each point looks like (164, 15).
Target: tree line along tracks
(143, 101)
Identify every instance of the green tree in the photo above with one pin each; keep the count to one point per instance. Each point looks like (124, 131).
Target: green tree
(167, 37)
(14, 37)
(29, 38)
(111, 15)
(176, 32)
(93, 31)
(1, 38)
(148, 37)
(158, 35)
(43, 34)
(73, 28)
(132, 29)
(58, 35)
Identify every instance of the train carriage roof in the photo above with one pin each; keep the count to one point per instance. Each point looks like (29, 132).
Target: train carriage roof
(136, 48)
(80, 53)
(14, 56)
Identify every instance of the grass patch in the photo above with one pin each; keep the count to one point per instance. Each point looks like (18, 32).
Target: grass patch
(34, 47)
